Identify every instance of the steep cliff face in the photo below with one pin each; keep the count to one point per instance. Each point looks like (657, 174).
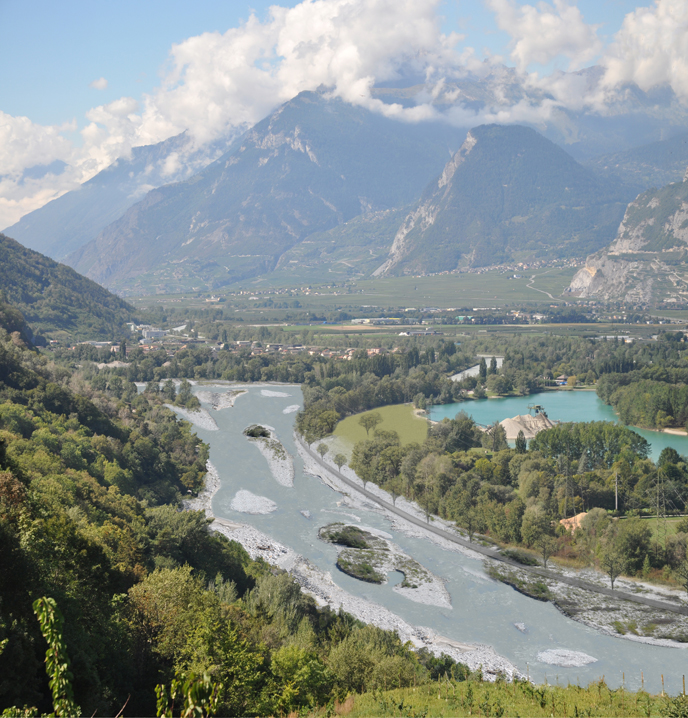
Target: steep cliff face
(313, 165)
(507, 192)
(656, 221)
(646, 260)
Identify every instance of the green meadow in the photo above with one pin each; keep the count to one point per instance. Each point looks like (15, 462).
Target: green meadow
(398, 417)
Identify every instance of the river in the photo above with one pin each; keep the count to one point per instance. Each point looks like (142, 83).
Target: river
(484, 611)
(560, 406)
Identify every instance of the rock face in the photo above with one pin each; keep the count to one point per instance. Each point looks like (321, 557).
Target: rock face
(646, 259)
(312, 165)
(507, 192)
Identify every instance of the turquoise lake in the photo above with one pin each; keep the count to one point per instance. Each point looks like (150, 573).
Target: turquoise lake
(560, 406)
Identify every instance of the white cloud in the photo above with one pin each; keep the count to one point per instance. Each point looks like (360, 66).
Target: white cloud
(217, 82)
(651, 48)
(541, 34)
(100, 84)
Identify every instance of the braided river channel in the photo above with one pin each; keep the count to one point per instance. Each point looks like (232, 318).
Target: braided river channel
(483, 610)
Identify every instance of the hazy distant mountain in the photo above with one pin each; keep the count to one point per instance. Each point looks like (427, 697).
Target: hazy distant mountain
(508, 193)
(653, 165)
(646, 261)
(57, 301)
(77, 217)
(310, 166)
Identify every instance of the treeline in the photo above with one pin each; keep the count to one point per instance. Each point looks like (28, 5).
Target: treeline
(518, 496)
(92, 477)
(654, 397)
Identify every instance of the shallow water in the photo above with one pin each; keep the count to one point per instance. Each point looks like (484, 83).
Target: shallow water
(560, 406)
(484, 611)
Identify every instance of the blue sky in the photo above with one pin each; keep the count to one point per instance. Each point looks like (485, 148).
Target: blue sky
(53, 50)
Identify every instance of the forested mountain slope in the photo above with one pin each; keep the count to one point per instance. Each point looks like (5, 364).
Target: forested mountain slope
(57, 301)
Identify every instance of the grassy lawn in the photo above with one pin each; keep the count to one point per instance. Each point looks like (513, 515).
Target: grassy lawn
(398, 417)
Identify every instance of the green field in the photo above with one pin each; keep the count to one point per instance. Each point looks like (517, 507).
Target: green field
(398, 417)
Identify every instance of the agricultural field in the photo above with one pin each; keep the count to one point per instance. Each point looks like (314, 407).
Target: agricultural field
(398, 417)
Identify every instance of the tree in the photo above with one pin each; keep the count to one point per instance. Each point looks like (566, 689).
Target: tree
(521, 444)
(471, 520)
(547, 546)
(668, 455)
(535, 523)
(682, 572)
(340, 460)
(495, 438)
(56, 659)
(613, 562)
(322, 450)
(369, 421)
(493, 366)
(482, 370)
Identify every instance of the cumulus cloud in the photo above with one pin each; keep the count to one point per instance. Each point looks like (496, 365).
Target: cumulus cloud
(215, 83)
(100, 84)
(541, 34)
(651, 48)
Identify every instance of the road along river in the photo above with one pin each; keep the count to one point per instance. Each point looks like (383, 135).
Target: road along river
(534, 636)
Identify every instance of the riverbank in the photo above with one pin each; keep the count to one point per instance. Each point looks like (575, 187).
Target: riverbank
(583, 596)
(327, 593)
(220, 400)
(200, 418)
(611, 615)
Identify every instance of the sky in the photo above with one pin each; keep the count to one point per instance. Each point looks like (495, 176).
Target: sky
(82, 82)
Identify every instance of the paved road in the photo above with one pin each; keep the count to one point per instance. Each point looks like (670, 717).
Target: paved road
(493, 553)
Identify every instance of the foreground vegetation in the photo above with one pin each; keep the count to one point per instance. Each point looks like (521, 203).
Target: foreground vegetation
(518, 698)
(92, 475)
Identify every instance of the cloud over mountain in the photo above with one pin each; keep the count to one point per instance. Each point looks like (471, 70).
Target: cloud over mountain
(216, 82)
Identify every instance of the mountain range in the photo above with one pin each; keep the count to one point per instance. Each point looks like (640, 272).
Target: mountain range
(74, 219)
(324, 186)
(507, 194)
(311, 166)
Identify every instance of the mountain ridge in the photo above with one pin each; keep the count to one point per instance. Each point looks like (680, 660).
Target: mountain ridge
(55, 300)
(284, 181)
(507, 191)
